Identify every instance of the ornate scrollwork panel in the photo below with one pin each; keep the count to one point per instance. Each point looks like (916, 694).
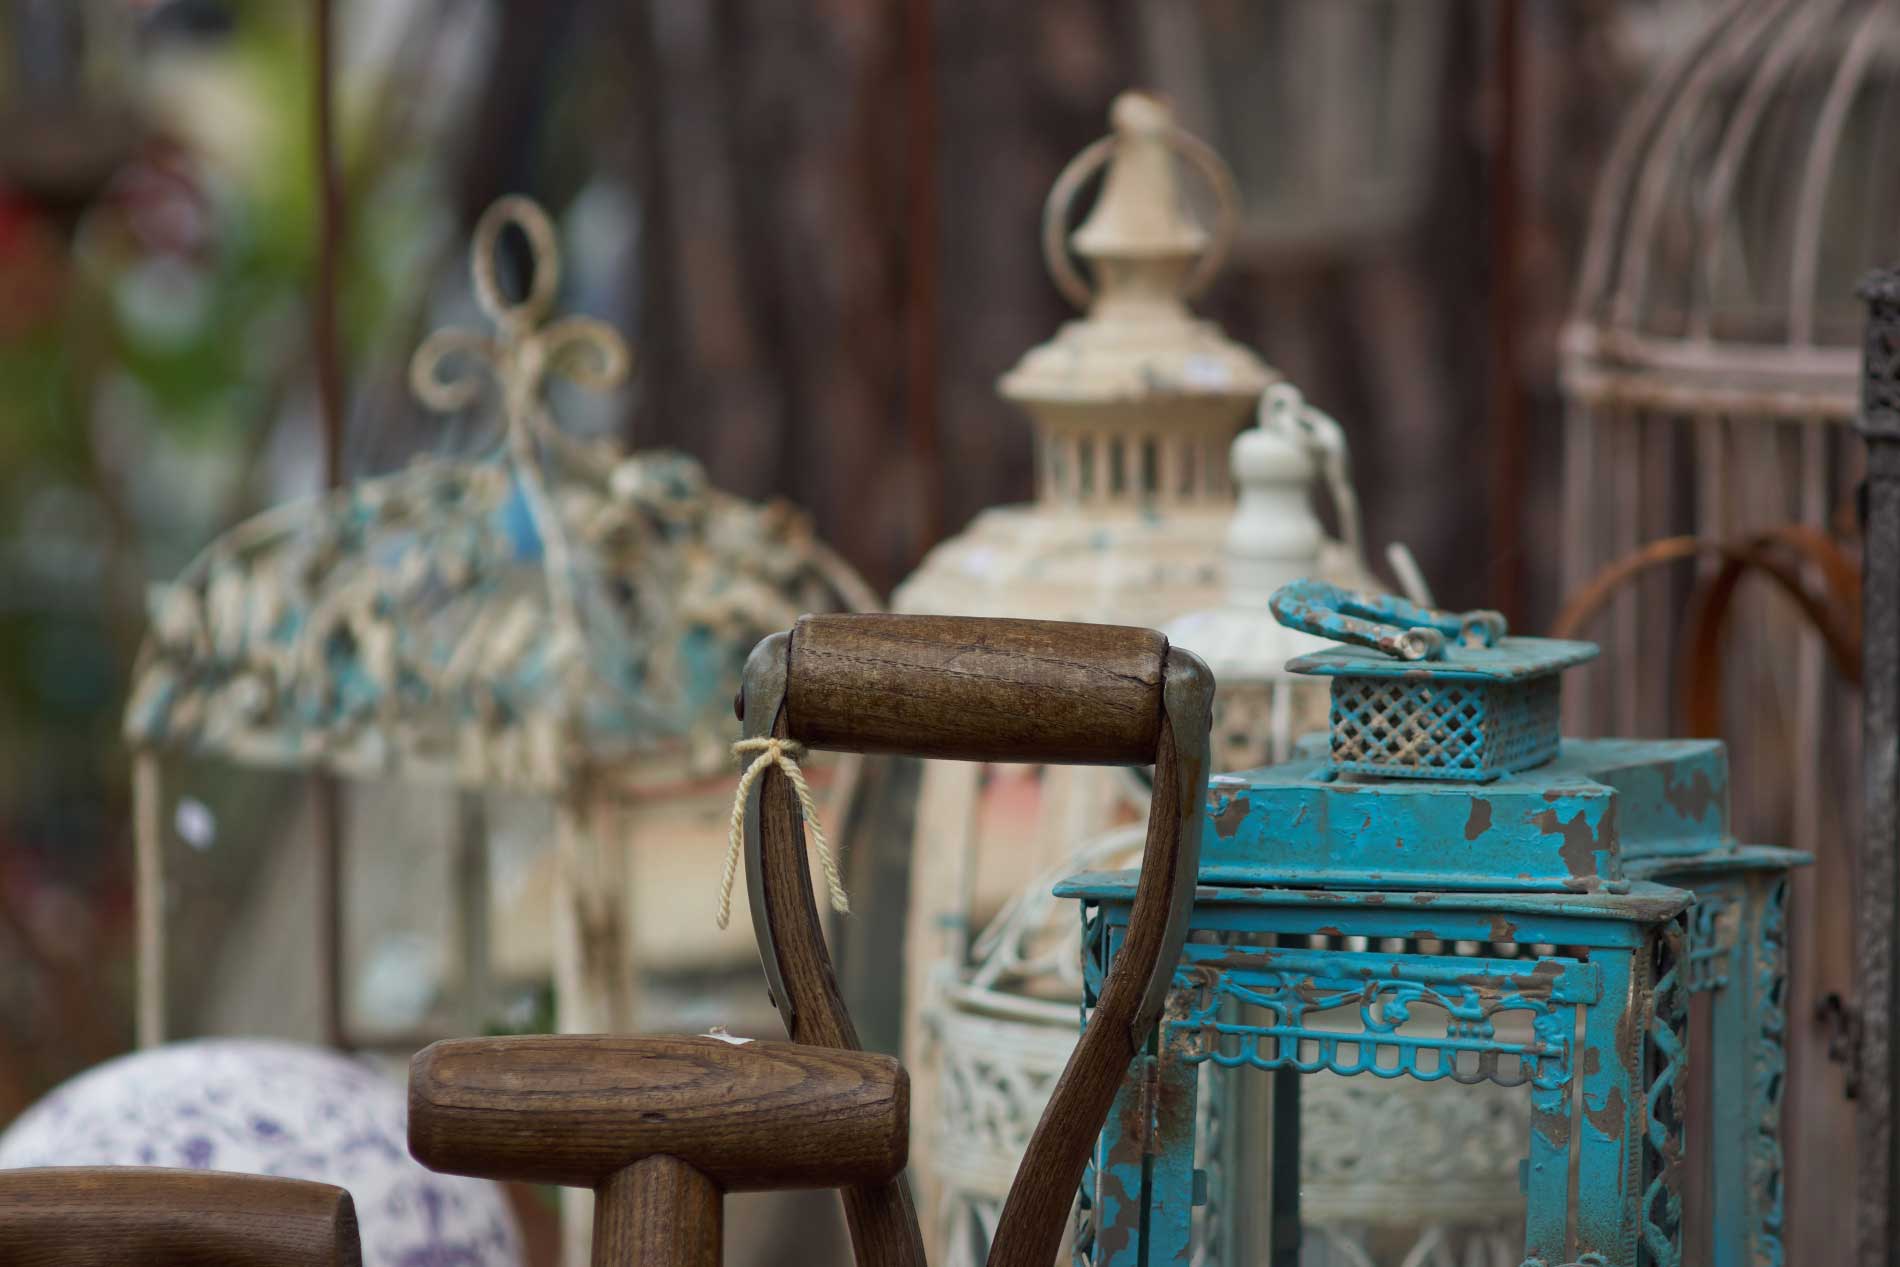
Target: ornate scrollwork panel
(1296, 988)
(1665, 1050)
(1712, 942)
(1769, 977)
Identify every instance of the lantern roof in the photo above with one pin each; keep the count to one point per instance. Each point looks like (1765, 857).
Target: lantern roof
(547, 609)
(1134, 405)
(1742, 197)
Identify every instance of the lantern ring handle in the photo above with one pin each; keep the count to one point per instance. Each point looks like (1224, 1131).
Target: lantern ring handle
(1200, 156)
(1381, 622)
(544, 256)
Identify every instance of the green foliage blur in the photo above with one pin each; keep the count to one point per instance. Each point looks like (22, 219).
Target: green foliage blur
(158, 247)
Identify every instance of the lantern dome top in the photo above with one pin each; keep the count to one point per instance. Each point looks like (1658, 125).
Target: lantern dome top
(1137, 343)
(548, 608)
(1744, 194)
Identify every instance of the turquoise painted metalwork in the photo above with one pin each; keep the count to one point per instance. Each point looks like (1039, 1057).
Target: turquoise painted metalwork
(1739, 965)
(1408, 704)
(1604, 1055)
(1547, 928)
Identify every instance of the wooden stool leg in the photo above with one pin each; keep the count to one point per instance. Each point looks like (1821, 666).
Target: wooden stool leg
(658, 1212)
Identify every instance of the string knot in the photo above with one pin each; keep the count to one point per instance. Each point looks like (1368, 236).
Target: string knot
(783, 753)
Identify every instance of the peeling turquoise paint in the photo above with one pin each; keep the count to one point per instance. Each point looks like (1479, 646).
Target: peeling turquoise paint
(1597, 851)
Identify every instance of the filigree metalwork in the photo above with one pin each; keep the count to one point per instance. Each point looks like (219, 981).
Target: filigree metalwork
(1711, 942)
(521, 357)
(1665, 1056)
(548, 609)
(1295, 986)
(1767, 1070)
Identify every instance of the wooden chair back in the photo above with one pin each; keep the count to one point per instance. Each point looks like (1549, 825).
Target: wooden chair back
(661, 1127)
(973, 689)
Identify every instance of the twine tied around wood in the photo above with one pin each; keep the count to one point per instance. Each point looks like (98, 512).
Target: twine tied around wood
(783, 753)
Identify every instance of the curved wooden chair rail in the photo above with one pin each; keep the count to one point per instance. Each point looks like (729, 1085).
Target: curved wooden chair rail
(144, 1216)
(971, 689)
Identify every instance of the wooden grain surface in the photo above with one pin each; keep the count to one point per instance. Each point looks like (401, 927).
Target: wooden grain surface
(1029, 1234)
(881, 1217)
(146, 1216)
(972, 689)
(575, 1108)
(659, 1212)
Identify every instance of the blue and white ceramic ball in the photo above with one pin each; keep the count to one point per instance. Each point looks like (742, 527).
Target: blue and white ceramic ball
(267, 1107)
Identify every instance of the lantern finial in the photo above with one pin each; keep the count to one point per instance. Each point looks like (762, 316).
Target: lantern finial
(1136, 402)
(1139, 216)
(521, 357)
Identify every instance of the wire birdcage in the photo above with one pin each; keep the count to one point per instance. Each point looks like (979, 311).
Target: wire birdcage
(1709, 372)
(1711, 359)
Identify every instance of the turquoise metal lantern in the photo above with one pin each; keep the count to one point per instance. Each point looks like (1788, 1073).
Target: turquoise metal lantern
(1444, 892)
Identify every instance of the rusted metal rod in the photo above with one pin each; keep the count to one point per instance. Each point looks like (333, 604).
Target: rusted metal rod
(326, 796)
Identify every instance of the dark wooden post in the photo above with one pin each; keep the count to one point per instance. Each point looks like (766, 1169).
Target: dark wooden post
(1880, 721)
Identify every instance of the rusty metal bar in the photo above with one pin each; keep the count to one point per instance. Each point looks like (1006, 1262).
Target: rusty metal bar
(1510, 463)
(327, 796)
(1879, 911)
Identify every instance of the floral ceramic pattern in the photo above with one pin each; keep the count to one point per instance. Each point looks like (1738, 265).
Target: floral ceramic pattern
(273, 1108)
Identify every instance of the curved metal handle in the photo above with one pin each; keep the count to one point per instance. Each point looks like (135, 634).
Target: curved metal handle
(1283, 409)
(1382, 622)
(785, 914)
(1055, 214)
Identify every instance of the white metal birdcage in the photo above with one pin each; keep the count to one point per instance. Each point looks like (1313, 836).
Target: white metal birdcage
(551, 619)
(1134, 406)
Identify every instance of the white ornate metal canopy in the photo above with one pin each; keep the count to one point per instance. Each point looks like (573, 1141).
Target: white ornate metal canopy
(538, 614)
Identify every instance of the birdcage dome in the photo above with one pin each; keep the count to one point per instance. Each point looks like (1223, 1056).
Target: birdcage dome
(548, 611)
(1747, 191)
(404, 625)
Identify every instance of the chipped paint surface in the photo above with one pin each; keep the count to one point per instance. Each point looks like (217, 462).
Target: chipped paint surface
(1737, 957)
(1580, 853)
(1434, 1018)
(1572, 825)
(1228, 818)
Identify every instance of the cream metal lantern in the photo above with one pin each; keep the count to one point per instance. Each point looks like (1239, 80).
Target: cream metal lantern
(553, 619)
(1003, 1021)
(1134, 405)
